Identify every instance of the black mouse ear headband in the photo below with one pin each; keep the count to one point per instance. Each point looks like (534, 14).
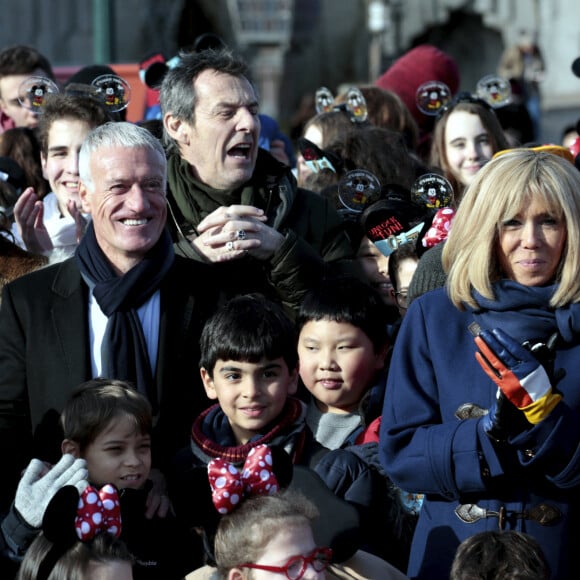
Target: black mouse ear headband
(193, 495)
(112, 91)
(70, 517)
(355, 105)
(268, 470)
(434, 98)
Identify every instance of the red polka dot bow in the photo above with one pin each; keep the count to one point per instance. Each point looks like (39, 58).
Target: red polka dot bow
(440, 227)
(229, 486)
(98, 511)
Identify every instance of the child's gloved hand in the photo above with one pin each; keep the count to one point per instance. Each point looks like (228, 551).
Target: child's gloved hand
(518, 374)
(38, 485)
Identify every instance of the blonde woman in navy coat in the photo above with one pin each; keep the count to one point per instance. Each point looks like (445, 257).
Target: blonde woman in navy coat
(482, 407)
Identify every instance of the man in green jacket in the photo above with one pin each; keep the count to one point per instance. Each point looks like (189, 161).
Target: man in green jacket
(232, 203)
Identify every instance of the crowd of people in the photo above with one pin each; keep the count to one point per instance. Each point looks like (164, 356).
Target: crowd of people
(225, 353)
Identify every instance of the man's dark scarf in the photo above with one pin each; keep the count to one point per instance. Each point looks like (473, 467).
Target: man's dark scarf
(196, 200)
(124, 350)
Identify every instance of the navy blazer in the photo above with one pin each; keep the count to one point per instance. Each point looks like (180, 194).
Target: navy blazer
(44, 354)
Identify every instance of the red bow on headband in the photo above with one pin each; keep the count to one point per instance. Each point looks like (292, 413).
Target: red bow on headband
(229, 486)
(440, 227)
(98, 511)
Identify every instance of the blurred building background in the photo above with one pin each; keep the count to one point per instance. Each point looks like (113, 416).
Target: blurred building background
(296, 46)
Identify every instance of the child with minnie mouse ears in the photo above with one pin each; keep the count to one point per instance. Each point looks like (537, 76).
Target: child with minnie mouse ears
(275, 518)
(79, 538)
(107, 443)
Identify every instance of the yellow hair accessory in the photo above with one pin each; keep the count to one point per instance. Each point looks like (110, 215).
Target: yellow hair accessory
(563, 152)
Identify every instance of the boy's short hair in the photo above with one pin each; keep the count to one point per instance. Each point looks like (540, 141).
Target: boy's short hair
(508, 554)
(248, 328)
(93, 404)
(177, 93)
(243, 534)
(347, 299)
(402, 253)
(21, 59)
(71, 108)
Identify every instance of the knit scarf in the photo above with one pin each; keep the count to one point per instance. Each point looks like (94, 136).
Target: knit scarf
(196, 200)
(124, 349)
(524, 312)
(212, 427)
(184, 189)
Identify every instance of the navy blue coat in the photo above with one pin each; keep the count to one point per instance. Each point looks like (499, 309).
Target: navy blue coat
(425, 448)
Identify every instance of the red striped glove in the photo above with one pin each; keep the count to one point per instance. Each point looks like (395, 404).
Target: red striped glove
(518, 374)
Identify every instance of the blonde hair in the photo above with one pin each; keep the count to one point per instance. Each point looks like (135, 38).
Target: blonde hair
(499, 192)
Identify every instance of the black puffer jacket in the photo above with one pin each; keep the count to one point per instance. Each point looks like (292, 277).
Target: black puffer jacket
(315, 237)
(161, 547)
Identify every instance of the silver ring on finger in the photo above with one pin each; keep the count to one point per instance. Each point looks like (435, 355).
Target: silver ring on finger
(230, 246)
(241, 235)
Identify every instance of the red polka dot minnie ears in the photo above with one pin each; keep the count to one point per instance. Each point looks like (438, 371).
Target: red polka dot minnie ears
(230, 486)
(70, 518)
